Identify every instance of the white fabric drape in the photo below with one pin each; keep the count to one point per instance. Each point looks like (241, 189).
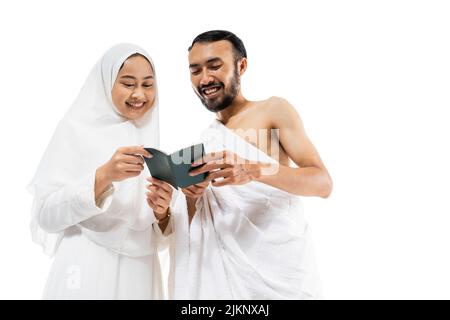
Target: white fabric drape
(87, 136)
(245, 242)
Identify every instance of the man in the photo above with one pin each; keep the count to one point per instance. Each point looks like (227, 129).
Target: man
(246, 236)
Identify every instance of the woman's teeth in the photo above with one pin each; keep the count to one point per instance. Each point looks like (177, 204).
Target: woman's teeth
(135, 105)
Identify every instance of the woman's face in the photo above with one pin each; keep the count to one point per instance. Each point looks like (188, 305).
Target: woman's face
(134, 90)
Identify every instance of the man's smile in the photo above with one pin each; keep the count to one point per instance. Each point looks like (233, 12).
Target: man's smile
(211, 91)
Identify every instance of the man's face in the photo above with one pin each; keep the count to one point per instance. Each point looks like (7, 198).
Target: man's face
(214, 74)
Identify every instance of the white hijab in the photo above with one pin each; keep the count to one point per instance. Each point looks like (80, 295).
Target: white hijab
(87, 136)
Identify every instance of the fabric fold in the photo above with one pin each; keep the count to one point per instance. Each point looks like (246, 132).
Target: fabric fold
(247, 241)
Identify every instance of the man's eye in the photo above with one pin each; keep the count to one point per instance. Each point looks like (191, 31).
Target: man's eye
(216, 67)
(195, 72)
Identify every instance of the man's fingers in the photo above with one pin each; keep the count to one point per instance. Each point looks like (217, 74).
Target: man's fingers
(224, 173)
(209, 167)
(187, 193)
(213, 156)
(192, 194)
(223, 182)
(203, 184)
(195, 190)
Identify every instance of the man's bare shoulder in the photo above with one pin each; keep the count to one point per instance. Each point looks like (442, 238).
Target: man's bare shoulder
(279, 110)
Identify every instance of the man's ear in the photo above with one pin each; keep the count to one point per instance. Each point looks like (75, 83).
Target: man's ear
(242, 66)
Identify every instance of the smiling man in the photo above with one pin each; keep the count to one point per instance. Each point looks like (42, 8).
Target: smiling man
(246, 237)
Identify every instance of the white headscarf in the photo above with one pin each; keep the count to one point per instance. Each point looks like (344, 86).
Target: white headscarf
(87, 136)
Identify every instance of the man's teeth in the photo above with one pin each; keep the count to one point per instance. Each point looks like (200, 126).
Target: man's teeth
(211, 90)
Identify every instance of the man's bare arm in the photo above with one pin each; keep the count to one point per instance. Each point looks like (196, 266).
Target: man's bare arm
(311, 178)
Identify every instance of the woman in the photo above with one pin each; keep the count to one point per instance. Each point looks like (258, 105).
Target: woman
(92, 208)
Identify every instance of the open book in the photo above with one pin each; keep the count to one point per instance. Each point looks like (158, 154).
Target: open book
(174, 168)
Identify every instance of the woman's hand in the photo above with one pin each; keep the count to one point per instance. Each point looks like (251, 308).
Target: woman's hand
(159, 196)
(126, 162)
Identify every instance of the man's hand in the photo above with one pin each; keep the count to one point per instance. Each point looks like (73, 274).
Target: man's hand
(227, 168)
(196, 191)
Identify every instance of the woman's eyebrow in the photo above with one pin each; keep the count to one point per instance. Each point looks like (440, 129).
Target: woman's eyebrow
(134, 78)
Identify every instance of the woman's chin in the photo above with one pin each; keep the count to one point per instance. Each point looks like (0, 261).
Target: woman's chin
(135, 114)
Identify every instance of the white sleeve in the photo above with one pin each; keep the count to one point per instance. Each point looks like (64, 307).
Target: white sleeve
(72, 204)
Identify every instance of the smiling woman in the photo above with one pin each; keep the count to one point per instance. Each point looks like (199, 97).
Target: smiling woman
(90, 208)
(134, 92)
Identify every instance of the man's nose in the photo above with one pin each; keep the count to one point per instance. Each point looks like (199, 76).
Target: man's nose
(206, 79)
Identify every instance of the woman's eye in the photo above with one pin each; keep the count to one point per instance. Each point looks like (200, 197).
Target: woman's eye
(128, 85)
(147, 85)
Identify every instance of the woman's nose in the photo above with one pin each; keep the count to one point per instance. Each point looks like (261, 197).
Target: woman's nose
(137, 94)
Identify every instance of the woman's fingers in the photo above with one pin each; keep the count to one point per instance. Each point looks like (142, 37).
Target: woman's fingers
(131, 159)
(133, 150)
(132, 167)
(152, 204)
(129, 174)
(157, 201)
(164, 185)
(160, 192)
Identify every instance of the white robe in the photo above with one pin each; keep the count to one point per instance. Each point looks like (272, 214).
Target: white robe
(246, 241)
(83, 269)
(104, 250)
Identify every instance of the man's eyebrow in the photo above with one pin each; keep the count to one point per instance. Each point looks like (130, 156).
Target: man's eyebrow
(211, 60)
(215, 59)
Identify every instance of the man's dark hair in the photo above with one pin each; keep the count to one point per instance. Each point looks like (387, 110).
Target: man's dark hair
(217, 35)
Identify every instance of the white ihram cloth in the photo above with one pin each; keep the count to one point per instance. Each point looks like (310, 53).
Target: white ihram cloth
(108, 249)
(246, 241)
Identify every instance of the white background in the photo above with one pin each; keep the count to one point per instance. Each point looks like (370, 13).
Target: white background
(370, 79)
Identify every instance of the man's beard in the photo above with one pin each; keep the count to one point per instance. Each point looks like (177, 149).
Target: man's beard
(226, 100)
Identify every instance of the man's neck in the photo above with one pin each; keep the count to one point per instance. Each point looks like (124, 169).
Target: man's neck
(233, 109)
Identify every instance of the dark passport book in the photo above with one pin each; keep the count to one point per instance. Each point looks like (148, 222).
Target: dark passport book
(174, 168)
